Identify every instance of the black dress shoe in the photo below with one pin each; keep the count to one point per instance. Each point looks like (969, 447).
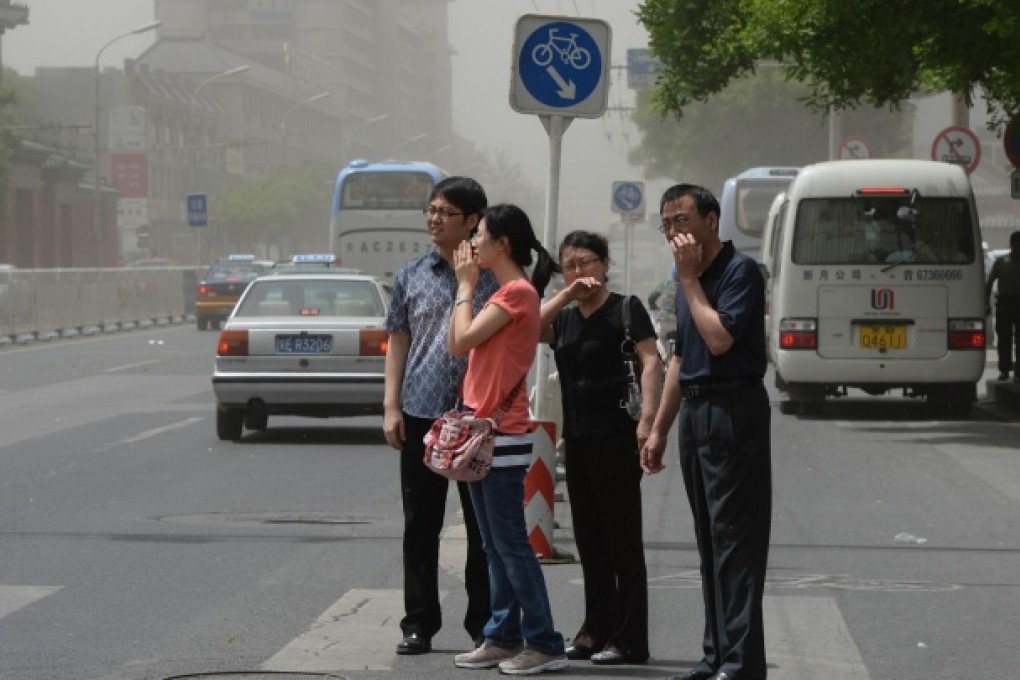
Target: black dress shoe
(611, 656)
(414, 643)
(578, 652)
(693, 675)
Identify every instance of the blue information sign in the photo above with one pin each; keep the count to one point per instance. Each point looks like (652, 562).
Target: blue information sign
(560, 66)
(628, 197)
(198, 214)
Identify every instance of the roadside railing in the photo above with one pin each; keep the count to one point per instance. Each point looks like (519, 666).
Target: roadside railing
(41, 304)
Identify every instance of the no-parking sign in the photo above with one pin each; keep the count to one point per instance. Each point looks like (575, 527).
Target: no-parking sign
(957, 144)
(854, 147)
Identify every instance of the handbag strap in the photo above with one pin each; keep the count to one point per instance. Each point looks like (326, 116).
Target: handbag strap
(508, 402)
(628, 347)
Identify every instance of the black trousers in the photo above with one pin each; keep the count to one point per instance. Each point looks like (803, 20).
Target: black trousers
(725, 455)
(1007, 331)
(604, 484)
(424, 498)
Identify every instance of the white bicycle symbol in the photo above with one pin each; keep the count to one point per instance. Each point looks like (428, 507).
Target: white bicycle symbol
(567, 48)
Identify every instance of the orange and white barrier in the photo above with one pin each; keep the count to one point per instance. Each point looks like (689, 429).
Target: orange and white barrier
(540, 490)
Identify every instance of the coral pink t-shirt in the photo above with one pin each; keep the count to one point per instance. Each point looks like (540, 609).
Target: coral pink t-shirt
(498, 364)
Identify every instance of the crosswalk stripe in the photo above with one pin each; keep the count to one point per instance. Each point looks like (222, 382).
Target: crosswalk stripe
(806, 638)
(13, 598)
(358, 632)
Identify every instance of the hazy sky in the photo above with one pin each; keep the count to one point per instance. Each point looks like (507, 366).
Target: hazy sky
(70, 32)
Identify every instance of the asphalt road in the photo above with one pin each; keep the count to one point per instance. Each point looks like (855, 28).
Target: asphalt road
(135, 545)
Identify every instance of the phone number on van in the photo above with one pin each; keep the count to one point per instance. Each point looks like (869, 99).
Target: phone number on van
(936, 275)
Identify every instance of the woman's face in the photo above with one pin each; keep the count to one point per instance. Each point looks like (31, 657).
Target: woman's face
(484, 247)
(579, 263)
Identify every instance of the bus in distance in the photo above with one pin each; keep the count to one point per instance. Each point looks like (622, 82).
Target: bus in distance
(376, 222)
(745, 202)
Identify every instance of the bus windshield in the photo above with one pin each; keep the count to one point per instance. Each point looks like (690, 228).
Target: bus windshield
(386, 190)
(890, 230)
(754, 198)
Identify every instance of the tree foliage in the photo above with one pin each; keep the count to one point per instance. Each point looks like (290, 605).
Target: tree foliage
(872, 52)
(288, 210)
(756, 120)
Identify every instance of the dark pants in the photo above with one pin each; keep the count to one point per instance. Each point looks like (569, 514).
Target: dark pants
(604, 484)
(725, 455)
(1007, 331)
(424, 498)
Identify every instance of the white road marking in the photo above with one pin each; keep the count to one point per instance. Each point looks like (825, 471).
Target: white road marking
(148, 434)
(358, 632)
(13, 598)
(806, 638)
(137, 364)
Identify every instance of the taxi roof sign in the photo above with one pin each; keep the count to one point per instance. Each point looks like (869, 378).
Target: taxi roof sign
(314, 258)
(241, 257)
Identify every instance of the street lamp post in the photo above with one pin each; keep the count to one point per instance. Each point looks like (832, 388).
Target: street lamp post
(357, 128)
(283, 120)
(409, 140)
(193, 152)
(97, 231)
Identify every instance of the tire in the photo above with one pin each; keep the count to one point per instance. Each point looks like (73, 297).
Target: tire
(256, 421)
(790, 408)
(201, 323)
(229, 424)
(812, 408)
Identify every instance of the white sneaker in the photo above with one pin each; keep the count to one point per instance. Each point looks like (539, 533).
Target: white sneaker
(485, 656)
(532, 662)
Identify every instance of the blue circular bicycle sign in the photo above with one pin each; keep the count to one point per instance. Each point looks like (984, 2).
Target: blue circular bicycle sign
(560, 66)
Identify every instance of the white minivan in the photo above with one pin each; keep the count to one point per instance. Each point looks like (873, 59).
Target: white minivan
(876, 282)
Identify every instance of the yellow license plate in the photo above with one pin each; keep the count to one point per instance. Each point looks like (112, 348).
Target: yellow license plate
(883, 337)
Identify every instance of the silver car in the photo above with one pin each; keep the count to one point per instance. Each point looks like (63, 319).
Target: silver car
(305, 344)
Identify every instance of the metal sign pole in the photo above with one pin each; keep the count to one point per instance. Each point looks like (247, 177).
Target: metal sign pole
(555, 126)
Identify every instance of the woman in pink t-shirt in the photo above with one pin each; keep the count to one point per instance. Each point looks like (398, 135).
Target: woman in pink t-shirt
(502, 341)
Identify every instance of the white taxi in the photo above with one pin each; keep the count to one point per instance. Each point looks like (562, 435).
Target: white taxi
(303, 344)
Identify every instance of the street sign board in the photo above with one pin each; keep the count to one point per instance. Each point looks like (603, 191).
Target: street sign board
(1011, 142)
(628, 197)
(198, 213)
(854, 147)
(642, 69)
(560, 66)
(957, 144)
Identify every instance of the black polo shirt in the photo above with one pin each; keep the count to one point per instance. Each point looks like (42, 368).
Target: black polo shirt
(735, 288)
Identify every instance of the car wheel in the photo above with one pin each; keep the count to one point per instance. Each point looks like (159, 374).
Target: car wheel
(790, 408)
(256, 421)
(229, 424)
(202, 323)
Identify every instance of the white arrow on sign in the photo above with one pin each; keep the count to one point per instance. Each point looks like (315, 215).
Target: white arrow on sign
(567, 90)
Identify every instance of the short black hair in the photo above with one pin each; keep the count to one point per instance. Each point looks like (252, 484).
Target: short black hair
(705, 201)
(463, 192)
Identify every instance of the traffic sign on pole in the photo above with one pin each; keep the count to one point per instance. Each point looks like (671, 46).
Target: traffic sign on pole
(560, 66)
(628, 197)
(853, 148)
(957, 144)
(198, 214)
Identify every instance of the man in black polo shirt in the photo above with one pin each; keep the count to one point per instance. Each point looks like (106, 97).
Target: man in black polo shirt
(714, 382)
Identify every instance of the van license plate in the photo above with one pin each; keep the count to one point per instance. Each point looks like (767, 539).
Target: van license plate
(883, 337)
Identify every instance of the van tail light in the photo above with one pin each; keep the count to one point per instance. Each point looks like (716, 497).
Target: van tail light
(203, 290)
(798, 334)
(967, 334)
(232, 344)
(373, 343)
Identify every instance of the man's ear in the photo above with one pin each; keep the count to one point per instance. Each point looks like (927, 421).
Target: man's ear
(472, 220)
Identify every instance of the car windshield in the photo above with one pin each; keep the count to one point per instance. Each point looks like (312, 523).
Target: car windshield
(313, 297)
(234, 271)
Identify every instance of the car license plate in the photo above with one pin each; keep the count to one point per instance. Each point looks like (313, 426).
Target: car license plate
(304, 344)
(883, 337)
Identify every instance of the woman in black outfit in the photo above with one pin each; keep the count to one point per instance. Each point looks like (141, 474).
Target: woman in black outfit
(601, 447)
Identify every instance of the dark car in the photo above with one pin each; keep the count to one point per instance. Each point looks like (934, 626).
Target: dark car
(221, 287)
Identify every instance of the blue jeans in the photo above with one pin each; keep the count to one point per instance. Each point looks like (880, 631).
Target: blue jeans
(520, 602)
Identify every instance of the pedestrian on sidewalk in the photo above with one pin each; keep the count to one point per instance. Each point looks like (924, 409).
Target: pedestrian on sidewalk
(583, 323)
(422, 382)
(714, 382)
(501, 342)
(1006, 270)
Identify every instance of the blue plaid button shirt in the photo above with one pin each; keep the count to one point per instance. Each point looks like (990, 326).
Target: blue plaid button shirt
(423, 294)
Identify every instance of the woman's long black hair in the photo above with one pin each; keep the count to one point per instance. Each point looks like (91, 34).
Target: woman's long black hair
(507, 220)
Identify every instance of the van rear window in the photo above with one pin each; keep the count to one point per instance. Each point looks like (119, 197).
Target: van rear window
(876, 230)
